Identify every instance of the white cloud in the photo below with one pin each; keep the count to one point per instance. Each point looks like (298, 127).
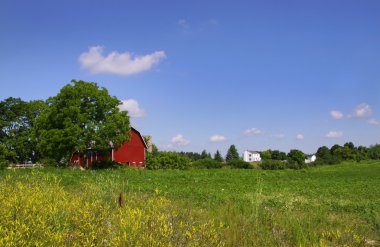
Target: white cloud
(118, 63)
(217, 138)
(252, 131)
(336, 114)
(179, 140)
(363, 110)
(133, 108)
(334, 134)
(373, 121)
(300, 137)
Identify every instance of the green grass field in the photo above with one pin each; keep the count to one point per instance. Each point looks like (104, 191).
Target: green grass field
(324, 206)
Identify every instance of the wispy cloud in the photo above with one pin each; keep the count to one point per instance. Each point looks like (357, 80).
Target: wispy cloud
(336, 114)
(279, 136)
(363, 110)
(184, 24)
(217, 138)
(179, 141)
(118, 63)
(209, 24)
(334, 134)
(373, 121)
(252, 131)
(133, 108)
(300, 137)
(197, 27)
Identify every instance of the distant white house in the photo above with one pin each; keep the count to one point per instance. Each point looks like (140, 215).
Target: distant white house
(251, 156)
(310, 158)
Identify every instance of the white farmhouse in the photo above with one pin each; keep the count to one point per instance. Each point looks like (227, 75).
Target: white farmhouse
(310, 158)
(251, 156)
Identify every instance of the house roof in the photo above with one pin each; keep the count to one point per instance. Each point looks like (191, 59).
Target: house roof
(253, 152)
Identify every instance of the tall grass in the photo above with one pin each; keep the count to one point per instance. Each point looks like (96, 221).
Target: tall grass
(36, 210)
(323, 206)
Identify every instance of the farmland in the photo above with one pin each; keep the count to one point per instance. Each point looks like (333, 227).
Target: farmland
(323, 206)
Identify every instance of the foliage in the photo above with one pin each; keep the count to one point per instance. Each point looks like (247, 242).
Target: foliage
(205, 155)
(266, 155)
(16, 128)
(104, 164)
(206, 163)
(239, 164)
(154, 149)
(374, 152)
(232, 154)
(79, 117)
(5, 156)
(167, 160)
(324, 156)
(273, 164)
(296, 159)
(192, 155)
(278, 155)
(218, 156)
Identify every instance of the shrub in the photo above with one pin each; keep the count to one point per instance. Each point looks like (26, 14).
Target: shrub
(167, 160)
(292, 164)
(3, 164)
(104, 164)
(49, 162)
(273, 165)
(206, 164)
(239, 164)
(296, 159)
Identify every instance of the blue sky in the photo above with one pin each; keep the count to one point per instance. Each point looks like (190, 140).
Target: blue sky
(207, 74)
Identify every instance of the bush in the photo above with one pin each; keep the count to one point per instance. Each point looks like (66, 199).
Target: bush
(239, 164)
(167, 160)
(104, 164)
(292, 164)
(206, 164)
(3, 164)
(49, 162)
(273, 164)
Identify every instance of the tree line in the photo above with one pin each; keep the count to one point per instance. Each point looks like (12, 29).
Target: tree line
(187, 160)
(271, 159)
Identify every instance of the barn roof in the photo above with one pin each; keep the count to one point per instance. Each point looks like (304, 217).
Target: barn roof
(142, 139)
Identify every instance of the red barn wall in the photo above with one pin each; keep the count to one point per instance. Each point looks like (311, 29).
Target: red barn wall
(132, 152)
(77, 159)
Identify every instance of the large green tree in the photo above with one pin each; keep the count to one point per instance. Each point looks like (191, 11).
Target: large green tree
(278, 155)
(16, 128)
(232, 153)
(81, 116)
(296, 159)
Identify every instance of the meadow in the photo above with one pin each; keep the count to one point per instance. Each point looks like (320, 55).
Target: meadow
(322, 206)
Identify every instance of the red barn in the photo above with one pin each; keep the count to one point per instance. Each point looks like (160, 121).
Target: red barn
(131, 153)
